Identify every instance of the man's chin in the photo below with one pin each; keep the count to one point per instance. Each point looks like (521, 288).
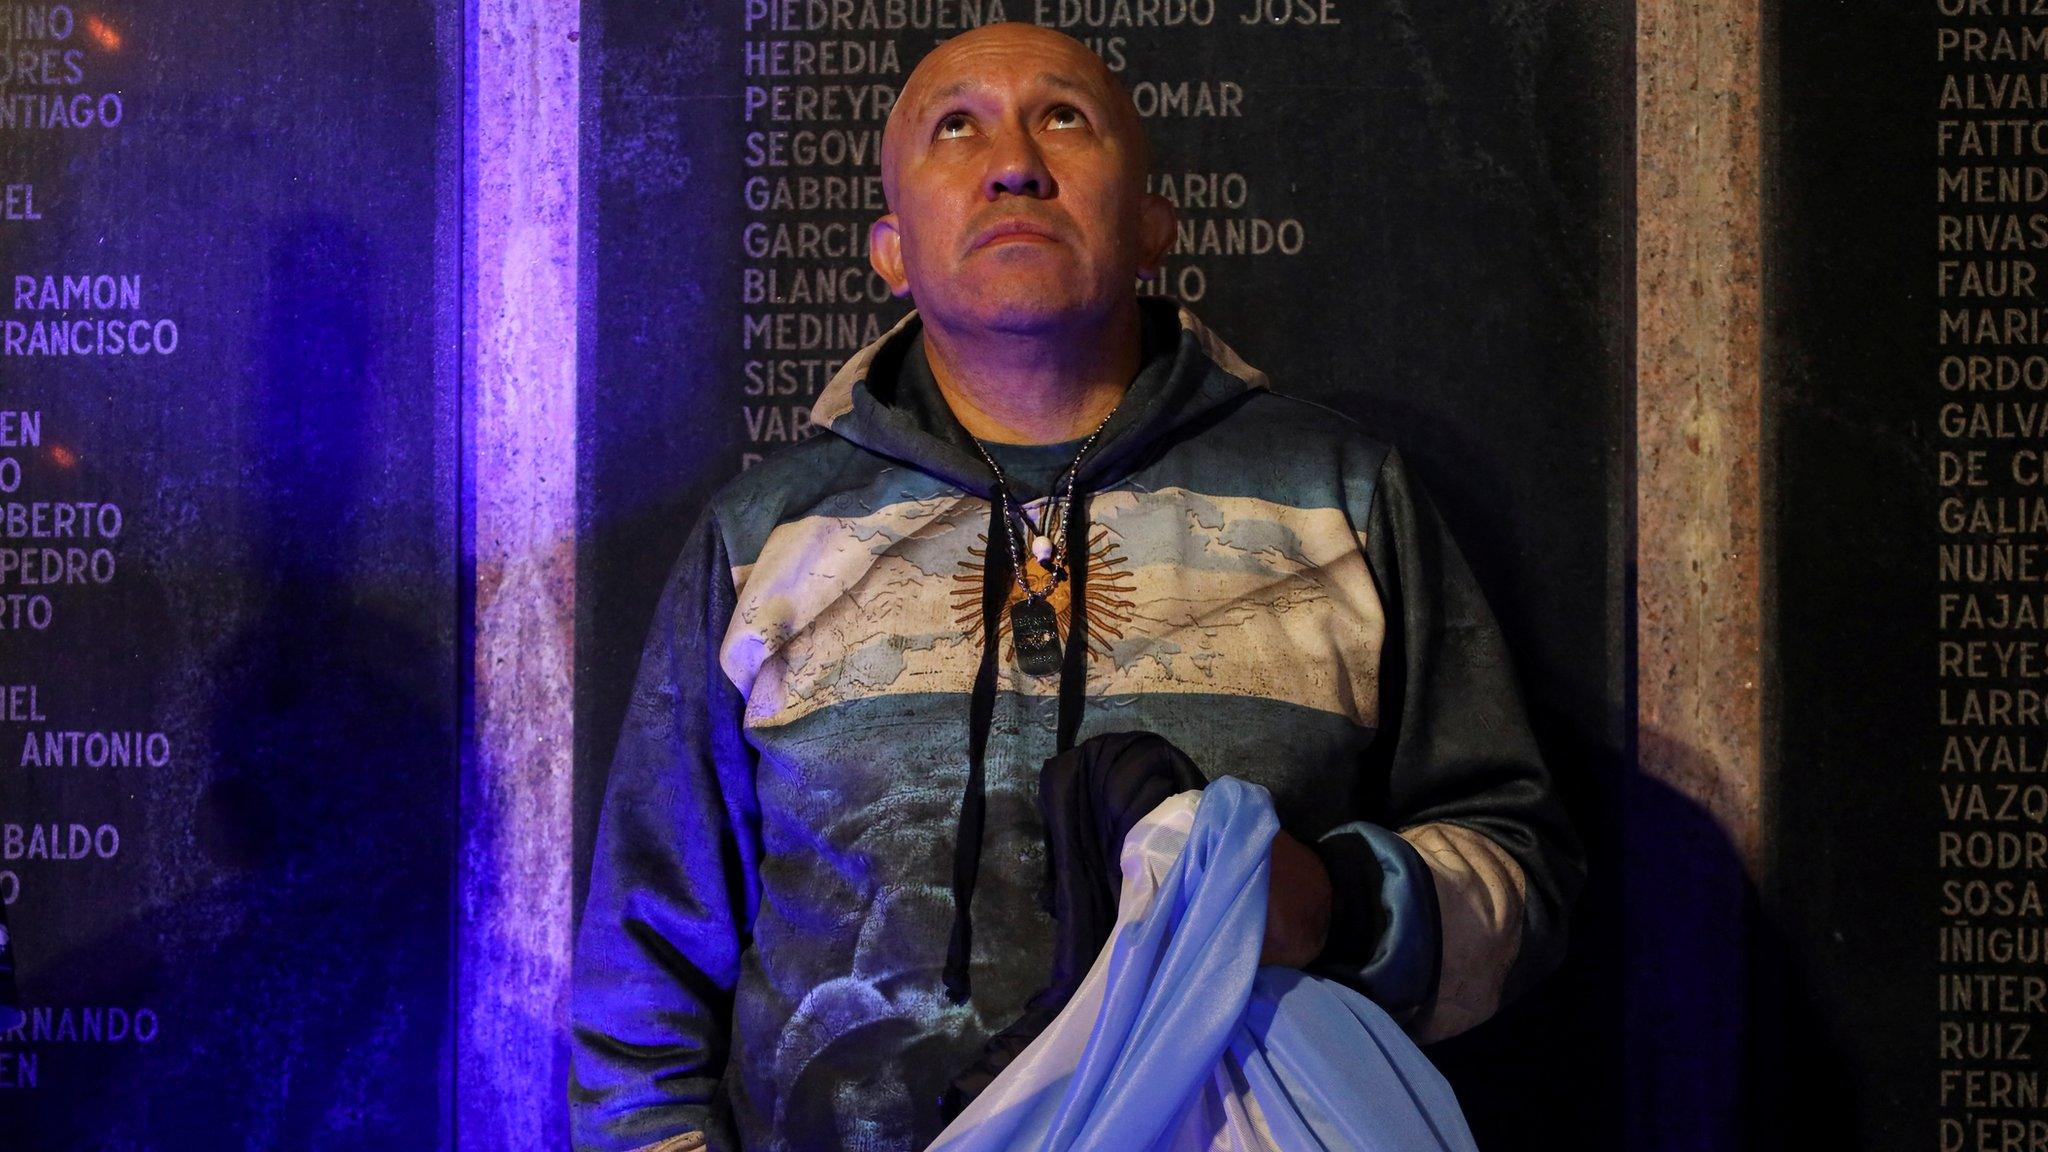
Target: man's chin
(1046, 313)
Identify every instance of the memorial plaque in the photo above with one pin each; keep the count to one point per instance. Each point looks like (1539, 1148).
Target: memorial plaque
(1395, 210)
(228, 571)
(1909, 820)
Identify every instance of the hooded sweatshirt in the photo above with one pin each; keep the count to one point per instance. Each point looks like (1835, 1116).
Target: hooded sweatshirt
(820, 876)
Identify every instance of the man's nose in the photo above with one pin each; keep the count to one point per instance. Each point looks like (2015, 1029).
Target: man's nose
(1015, 166)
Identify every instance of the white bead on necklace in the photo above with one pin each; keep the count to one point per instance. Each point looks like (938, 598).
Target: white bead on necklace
(1043, 547)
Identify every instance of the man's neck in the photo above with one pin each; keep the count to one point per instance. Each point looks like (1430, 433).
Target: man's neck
(1028, 389)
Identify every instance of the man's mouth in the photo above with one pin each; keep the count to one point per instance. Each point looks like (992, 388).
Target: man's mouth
(1015, 232)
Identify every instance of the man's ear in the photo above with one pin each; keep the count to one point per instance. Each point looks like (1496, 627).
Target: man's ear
(885, 255)
(1155, 234)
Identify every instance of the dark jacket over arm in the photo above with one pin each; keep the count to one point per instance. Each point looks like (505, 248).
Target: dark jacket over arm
(672, 889)
(1465, 902)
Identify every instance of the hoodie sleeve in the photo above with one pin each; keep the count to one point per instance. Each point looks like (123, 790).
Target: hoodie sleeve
(1459, 899)
(673, 885)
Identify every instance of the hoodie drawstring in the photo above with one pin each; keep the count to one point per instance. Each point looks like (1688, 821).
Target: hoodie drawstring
(995, 597)
(1074, 662)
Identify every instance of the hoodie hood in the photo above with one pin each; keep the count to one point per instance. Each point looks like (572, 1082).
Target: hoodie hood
(1188, 373)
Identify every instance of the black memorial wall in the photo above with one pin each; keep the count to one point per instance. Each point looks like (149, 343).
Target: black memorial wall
(1904, 999)
(228, 571)
(1416, 213)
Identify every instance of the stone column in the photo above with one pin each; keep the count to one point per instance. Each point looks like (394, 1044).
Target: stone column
(512, 940)
(1693, 832)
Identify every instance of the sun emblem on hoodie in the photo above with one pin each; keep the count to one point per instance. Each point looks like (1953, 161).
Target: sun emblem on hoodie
(1109, 604)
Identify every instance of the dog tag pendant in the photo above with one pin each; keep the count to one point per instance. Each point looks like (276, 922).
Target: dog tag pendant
(1035, 630)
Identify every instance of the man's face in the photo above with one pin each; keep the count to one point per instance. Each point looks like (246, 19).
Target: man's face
(1015, 170)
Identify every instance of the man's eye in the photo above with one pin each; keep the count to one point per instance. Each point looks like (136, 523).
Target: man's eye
(952, 125)
(1065, 116)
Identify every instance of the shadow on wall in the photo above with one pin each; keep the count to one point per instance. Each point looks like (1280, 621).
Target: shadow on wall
(1714, 990)
(303, 979)
(1666, 1030)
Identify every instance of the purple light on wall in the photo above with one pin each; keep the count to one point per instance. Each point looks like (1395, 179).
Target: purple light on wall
(519, 493)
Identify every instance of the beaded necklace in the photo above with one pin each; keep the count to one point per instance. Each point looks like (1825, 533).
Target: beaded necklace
(1034, 627)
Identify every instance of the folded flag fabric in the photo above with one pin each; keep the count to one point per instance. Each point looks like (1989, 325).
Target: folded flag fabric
(1176, 1041)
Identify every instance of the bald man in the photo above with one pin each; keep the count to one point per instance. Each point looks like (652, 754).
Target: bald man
(1042, 511)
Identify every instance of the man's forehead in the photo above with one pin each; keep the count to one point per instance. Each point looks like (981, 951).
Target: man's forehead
(978, 84)
(971, 62)
(968, 64)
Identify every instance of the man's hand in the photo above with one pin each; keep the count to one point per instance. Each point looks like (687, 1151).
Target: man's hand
(1297, 905)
